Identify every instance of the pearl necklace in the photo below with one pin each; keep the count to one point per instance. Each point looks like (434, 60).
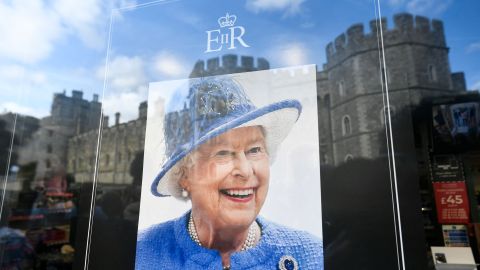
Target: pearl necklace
(249, 242)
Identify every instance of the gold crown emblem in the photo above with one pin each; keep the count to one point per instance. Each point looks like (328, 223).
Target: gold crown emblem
(227, 20)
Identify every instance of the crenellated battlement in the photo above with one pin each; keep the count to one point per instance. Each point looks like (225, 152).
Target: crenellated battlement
(406, 29)
(228, 64)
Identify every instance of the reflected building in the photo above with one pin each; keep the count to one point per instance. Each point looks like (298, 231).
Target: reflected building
(23, 127)
(228, 64)
(119, 144)
(352, 123)
(69, 116)
(351, 97)
(351, 100)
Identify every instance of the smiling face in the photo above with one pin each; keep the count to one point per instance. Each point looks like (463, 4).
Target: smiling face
(228, 181)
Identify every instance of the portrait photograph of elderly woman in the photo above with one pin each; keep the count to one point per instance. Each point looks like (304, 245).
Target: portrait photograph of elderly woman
(231, 176)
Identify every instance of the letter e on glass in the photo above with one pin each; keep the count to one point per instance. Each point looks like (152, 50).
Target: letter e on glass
(212, 36)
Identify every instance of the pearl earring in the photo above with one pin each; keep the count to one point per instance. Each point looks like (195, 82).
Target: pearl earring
(184, 193)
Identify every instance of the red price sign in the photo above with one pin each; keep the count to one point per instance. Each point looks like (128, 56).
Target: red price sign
(452, 202)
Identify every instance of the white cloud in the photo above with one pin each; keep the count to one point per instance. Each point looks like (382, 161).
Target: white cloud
(396, 2)
(29, 91)
(25, 90)
(292, 54)
(127, 87)
(307, 25)
(423, 7)
(21, 76)
(127, 83)
(30, 30)
(428, 7)
(125, 74)
(12, 72)
(88, 19)
(289, 6)
(20, 109)
(124, 102)
(473, 47)
(39, 77)
(82, 18)
(169, 65)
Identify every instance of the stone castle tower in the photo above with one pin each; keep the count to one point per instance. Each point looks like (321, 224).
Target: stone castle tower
(68, 117)
(351, 85)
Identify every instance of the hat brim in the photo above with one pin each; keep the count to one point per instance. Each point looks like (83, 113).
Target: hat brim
(277, 119)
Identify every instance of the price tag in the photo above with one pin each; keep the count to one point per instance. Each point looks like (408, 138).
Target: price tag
(452, 202)
(452, 199)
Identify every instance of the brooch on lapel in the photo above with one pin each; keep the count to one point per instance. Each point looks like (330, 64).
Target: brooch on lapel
(287, 262)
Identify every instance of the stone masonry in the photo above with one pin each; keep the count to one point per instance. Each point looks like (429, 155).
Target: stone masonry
(69, 116)
(350, 85)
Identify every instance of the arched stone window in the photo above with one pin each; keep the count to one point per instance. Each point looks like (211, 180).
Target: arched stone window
(432, 73)
(346, 125)
(348, 157)
(341, 88)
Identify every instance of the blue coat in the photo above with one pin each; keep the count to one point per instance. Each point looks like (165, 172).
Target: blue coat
(169, 246)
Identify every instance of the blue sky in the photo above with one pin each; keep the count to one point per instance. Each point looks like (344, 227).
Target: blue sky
(51, 45)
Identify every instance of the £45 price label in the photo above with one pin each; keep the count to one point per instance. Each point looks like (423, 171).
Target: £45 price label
(452, 199)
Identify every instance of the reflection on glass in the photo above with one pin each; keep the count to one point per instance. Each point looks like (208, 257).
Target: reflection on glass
(48, 152)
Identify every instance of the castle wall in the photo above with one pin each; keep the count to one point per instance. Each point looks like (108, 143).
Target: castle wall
(424, 57)
(417, 66)
(81, 156)
(227, 64)
(119, 145)
(407, 30)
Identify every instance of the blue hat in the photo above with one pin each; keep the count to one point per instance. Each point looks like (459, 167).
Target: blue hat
(214, 106)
